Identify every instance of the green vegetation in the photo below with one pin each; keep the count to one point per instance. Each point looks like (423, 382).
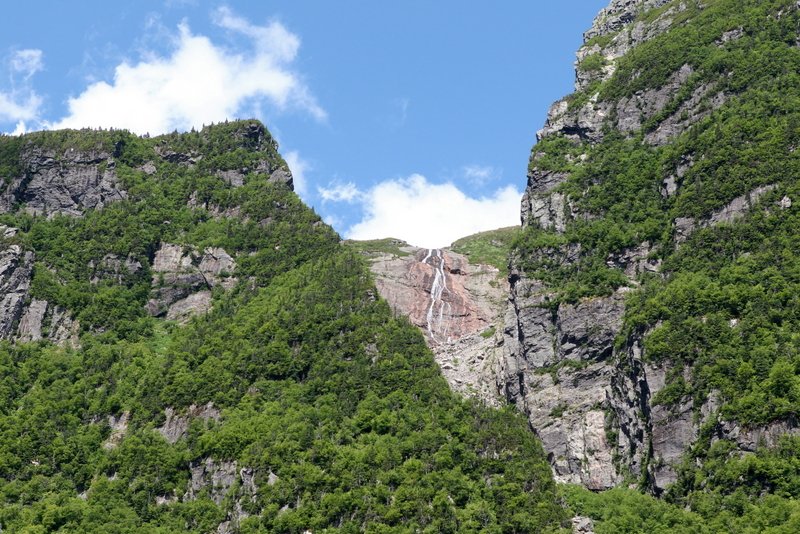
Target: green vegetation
(488, 248)
(336, 407)
(378, 247)
(592, 63)
(628, 511)
(724, 316)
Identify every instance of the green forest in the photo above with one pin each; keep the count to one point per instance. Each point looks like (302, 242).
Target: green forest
(333, 406)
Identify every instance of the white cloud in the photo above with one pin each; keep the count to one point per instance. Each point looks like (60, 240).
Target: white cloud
(479, 174)
(339, 192)
(431, 215)
(298, 166)
(21, 103)
(16, 107)
(198, 83)
(27, 62)
(332, 220)
(20, 129)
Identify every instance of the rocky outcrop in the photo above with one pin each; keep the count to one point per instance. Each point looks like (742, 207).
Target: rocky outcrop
(176, 425)
(558, 369)
(456, 304)
(734, 210)
(113, 268)
(23, 318)
(183, 280)
(218, 480)
(119, 427)
(15, 277)
(63, 183)
(42, 320)
(248, 135)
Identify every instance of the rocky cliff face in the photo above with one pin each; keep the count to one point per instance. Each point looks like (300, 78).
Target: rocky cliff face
(71, 180)
(458, 305)
(589, 394)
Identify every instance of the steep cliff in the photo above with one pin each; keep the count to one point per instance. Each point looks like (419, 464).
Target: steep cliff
(650, 316)
(457, 303)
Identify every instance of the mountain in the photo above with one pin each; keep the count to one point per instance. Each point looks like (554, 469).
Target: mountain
(651, 331)
(186, 347)
(654, 332)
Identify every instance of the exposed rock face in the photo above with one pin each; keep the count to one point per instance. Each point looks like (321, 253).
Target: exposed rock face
(119, 427)
(217, 480)
(212, 476)
(558, 371)
(734, 210)
(176, 425)
(456, 304)
(590, 401)
(28, 321)
(42, 320)
(15, 278)
(112, 267)
(67, 183)
(183, 280)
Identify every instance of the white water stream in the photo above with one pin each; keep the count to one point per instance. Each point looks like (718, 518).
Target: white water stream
(438, 307)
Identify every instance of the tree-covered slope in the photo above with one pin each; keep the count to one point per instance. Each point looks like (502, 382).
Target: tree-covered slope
(187, 347)
(662, 208)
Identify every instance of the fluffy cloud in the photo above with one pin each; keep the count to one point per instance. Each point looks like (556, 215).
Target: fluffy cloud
(480, 174)
(431, 215)
(21, 103)
(198, 83)
(339, 192)
(19, 107)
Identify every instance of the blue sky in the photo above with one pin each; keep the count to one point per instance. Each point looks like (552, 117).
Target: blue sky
(409, 119)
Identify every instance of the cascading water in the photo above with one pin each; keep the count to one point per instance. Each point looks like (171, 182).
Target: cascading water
(438, 308)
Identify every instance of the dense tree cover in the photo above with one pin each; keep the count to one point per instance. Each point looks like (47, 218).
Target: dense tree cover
(725, 314)
(729, 493)
(336, 406)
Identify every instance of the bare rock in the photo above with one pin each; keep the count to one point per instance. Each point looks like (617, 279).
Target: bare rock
(635, 261)
(183, 279)
(148, 168)
(542, 206)
(739, 206)
(582, 525)
(42, 320)
(30, 326)
(282, 176)
(176, 425)
(733, 211)
(15, 278)
(233, 178)
(119, 427)
(195, 304)
(750, 439)
(215, 477)
(112, 267)
(558, 370)
(458, 305)
(67, 184)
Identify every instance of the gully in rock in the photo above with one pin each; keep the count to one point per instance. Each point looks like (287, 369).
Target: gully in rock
(436, 320)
